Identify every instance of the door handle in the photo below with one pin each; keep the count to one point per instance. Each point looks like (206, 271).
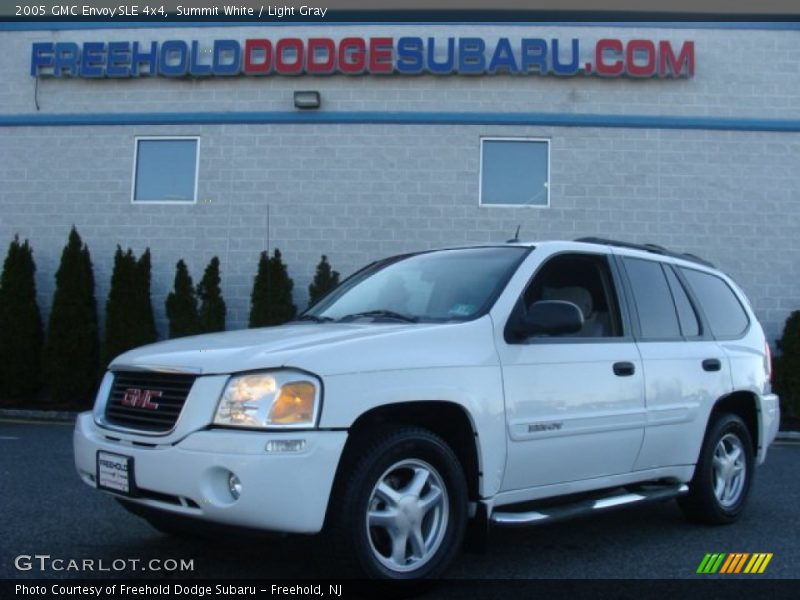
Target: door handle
(712, 364)
(624, 369)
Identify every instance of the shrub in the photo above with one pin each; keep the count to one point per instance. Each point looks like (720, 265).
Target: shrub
(786, 377)
(129, 313)
(271, 300)
(325, 280)
(181, 305)
(212, 306)
(71, 351)
(20, 324)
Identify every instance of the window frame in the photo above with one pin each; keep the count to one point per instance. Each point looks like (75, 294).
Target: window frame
(165, 138)
(679, 271)
(491, 138)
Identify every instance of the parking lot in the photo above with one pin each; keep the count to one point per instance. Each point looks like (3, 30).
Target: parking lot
(48, 511)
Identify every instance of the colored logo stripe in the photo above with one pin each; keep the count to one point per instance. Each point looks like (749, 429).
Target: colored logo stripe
(734, 562)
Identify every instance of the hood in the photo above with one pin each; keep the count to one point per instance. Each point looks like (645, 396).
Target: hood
(322, 348)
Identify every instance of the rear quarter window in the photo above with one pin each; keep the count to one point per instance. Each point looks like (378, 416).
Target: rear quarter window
(724, 312)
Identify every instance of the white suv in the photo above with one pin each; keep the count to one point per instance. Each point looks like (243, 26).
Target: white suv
(432, 394)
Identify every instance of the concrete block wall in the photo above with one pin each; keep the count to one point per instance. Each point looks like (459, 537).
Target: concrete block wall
(358, 192)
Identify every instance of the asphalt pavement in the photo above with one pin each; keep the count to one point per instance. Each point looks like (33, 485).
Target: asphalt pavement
(47, 511)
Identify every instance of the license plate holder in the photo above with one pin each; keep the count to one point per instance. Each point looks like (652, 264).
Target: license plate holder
(115, 473)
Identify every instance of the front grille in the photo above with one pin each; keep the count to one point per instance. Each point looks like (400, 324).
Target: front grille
(135, 401)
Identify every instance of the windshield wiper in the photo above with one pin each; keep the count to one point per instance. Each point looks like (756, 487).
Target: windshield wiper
(314, 318)
(386, 314)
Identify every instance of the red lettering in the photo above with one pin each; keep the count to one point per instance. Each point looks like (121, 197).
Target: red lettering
(315, 45)
(669, 65)
(294, 46)
(257, 66)
(638, 49)
(380, 55)
(604, 68)
(352, 55)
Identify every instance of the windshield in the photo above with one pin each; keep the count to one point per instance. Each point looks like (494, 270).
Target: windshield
(446, 285)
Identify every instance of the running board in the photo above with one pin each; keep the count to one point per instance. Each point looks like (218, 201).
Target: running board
(584, 507)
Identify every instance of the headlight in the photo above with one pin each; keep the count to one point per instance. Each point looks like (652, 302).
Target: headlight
(269, 399)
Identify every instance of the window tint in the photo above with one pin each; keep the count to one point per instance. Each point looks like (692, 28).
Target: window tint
(690, 327)
(166, 170)
(584, 280)
(725, 314)
(657, 316)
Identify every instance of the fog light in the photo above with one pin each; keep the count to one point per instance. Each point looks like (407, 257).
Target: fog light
(282, 446)
(235, 486)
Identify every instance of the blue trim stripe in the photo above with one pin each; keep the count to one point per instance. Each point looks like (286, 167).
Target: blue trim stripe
(404, 118)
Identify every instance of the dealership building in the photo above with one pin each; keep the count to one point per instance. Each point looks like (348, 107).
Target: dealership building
(360, 141)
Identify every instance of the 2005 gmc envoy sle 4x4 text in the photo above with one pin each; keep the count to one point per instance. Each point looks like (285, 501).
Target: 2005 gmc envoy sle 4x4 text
(433, 394)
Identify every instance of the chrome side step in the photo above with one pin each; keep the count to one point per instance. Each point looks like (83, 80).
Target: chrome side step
(584, 507)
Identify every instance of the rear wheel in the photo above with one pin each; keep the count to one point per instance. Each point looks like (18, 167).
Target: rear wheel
(721, 485)
(401, 511)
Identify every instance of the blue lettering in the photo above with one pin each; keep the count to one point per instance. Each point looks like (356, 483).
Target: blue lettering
(570, 68)
(119, 59)
(144, 58)
(92, 59)
(41, 57)
(409, 55)
(503, 57)
(442, 68)
(230, 52)
(197, 69)
(471, 56)
(170, 51)
(67, 57)
(534, 55)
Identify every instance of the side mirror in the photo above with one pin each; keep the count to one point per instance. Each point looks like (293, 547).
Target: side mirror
(551, 317)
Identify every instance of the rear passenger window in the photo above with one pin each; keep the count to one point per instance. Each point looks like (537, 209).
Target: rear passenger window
(657, 316)
(690, 327)
(724, 312)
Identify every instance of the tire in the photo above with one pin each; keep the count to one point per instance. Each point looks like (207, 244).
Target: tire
(723, 476)
(400, 512)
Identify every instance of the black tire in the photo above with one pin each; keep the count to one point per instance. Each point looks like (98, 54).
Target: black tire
(412, 535)
(720, 488)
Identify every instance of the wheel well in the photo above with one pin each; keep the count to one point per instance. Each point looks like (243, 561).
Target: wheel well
(446, 419)
(743, 405)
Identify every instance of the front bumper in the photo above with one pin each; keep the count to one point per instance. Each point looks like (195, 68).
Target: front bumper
(285, 492)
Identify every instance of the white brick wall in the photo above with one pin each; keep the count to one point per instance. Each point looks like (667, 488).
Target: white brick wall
(359, 192)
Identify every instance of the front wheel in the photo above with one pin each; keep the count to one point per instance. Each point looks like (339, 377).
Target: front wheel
(401, 512)
(719, 490)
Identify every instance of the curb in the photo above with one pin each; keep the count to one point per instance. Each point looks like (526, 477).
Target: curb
(52, 416)
(788, 436)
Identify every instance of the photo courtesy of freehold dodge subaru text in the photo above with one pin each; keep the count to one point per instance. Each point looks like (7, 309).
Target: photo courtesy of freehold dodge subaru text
(434, 395)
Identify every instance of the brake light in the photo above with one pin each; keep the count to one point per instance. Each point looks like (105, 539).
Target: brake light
(768, 361)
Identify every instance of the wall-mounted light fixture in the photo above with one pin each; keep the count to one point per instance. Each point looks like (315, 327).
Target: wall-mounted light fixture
(307, 99)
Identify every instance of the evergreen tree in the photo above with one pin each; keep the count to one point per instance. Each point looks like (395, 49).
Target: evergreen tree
(786, 377)
(325, 280)
(20, 324)
(212, 306)
(129, 313)
(182, 305)
(72, 349)
(271, 300)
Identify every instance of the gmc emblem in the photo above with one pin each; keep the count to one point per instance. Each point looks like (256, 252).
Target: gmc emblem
(140, 398)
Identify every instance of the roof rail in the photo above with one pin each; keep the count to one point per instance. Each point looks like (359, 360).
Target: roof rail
(654, 248)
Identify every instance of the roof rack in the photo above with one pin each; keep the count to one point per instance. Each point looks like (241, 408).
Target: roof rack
(654, 248)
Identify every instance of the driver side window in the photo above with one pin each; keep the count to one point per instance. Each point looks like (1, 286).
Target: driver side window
(584, 280)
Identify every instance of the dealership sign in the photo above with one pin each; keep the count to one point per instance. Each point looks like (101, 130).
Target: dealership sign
(608, 57)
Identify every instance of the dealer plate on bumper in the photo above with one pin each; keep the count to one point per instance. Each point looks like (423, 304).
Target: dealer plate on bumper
(115, 473)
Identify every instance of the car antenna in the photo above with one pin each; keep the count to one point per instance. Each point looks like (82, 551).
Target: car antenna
(515, 239)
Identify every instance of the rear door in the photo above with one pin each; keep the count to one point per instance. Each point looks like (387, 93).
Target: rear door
(685, 370)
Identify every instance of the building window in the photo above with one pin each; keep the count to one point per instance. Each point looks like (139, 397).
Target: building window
(165, 169)
(515, 172)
